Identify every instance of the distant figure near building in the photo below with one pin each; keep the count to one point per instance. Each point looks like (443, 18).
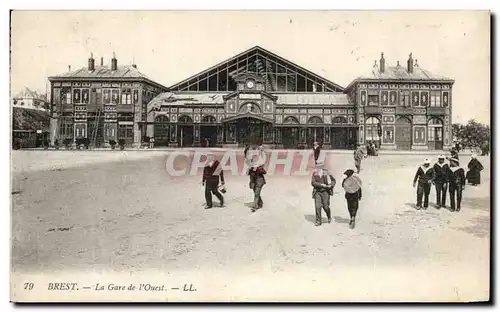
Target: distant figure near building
(352, 187)
(323, 183)
(454, 153)
(441, 170)
(211, 181)
(474, 173)
(425, 176)
(457, 184)
(316, 151)
(358, 156)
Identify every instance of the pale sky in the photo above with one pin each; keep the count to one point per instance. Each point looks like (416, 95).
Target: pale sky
(169, 46)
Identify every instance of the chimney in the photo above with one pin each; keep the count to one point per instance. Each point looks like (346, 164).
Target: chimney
(416, 63)
(69, 68)
(102, 61)
(133, 63)
(91, 62)
(398, 64)
(382, 62)
(410, 64)
(375, 63)
(114, 63)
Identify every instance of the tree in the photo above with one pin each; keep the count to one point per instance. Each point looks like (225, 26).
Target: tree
(473, 134)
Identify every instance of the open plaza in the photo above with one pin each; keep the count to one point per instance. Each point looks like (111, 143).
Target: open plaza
(120, 211)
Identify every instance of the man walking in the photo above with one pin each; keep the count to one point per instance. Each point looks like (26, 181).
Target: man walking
(441, 181)
(323, 183)
(358, 156)
(425, 176)
(210, 180)
(457, 184)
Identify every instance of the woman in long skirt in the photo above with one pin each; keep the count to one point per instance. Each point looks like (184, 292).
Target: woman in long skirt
(474, 173)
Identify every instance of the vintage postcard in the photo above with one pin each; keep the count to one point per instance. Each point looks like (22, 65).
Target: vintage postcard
(250, 156)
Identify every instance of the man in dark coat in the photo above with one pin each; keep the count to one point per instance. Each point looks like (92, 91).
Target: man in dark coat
(257, 182)
(474, 173)
(457, 183)
(454, 153)
(323, 183)
(441, 181)
(425, 176)
(316, 151)
(210, 180)
(352, 187)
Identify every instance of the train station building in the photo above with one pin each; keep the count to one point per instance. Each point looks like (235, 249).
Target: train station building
(258, 97)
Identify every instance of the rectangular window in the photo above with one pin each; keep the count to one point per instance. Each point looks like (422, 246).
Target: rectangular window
(85, 96)
(126, 97)
(373, 100)
(405, 99)
(436, 99)
(77, 96)
(115, 96)
(430, 134)
(106, 96)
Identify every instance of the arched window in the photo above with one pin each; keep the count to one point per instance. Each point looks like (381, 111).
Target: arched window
(339, 120)
(290, 120)
(208, 119)
(185, 119)
(372, 127)
(435, 122)
(315, 120)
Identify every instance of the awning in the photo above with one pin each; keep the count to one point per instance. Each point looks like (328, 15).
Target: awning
(247, 115)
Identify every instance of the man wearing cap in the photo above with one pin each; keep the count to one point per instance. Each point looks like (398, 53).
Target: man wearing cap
(457, 183)
(441, 181)
(323, 183)
(425, 176)
(316, 151)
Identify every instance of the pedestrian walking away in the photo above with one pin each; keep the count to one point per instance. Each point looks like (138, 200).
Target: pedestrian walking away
(424, 176)
(316, 151)
(457, 184)
(211, 175)
(352, 186)
(323, 183)
(441, 181)
(358, 156)
(474, 174)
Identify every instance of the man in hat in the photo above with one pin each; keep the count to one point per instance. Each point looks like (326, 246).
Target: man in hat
(441, 181)
(210, 180)
(316, 151)
(424, 176)
(457, 184)
(323, 183)
(358, 156)
(352, 187)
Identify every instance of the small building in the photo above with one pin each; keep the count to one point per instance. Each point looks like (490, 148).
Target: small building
(30, 99)
(101, 103)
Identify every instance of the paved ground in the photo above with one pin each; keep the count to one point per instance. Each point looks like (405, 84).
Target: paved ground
(116, 212)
